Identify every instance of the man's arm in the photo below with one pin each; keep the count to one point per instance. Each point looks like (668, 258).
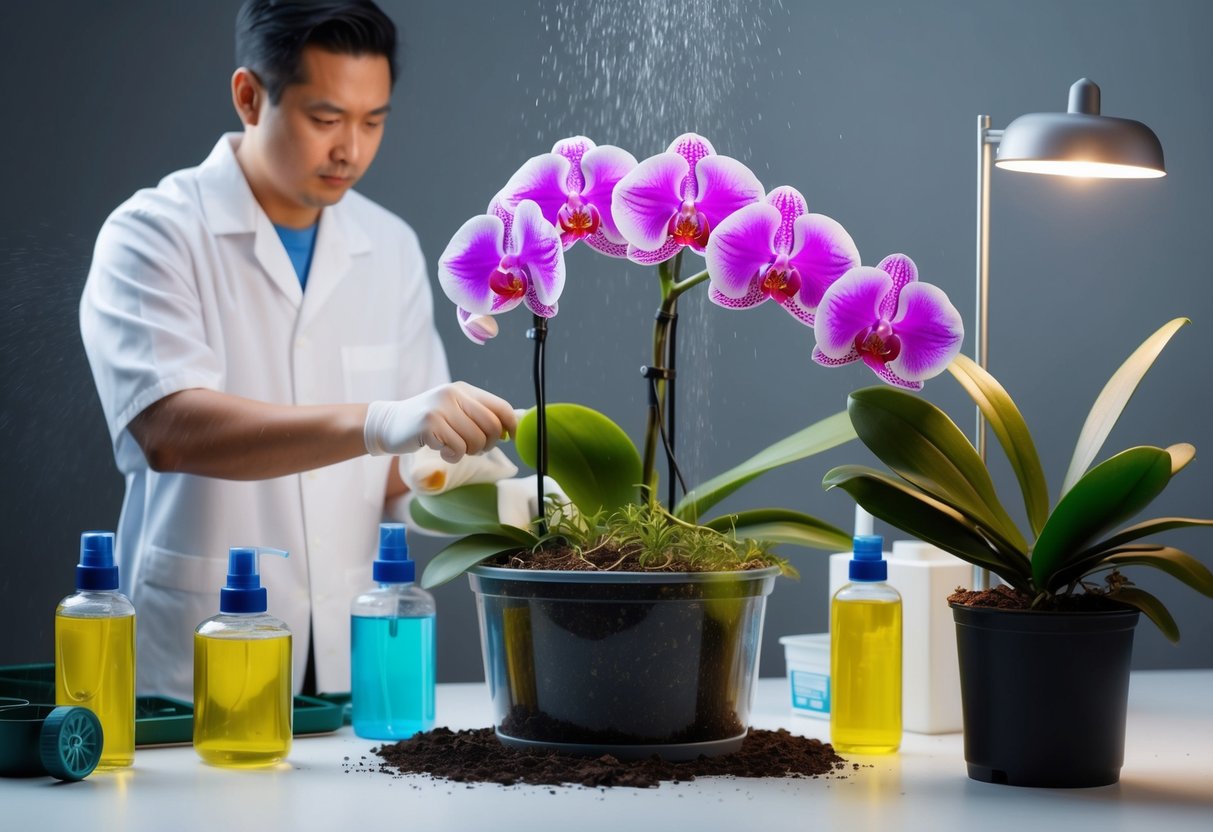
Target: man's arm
(208, 433)
(215, 434)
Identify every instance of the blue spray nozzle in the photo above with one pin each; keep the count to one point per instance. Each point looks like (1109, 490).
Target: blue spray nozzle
(867, 559)
(244, 592)
(97, 569)
(392, 566)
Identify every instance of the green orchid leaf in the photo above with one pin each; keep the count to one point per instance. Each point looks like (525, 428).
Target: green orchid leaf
(1140, 530)
(777, 525)
(591, 457)
(922, 445)
(929, 520)
(1175, 562)
(1112, 400)
(1004, 418)
(1154, 609)
(820, 436)
(1181, 454)
(462, 555)
(463, 510)
(1106, 496)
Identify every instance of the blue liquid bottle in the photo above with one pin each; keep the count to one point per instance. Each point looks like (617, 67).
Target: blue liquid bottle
(392, 647)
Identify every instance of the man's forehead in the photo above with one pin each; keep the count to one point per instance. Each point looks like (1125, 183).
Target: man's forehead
(342, 81)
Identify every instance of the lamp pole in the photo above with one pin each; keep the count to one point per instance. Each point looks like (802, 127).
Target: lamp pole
(986, 139)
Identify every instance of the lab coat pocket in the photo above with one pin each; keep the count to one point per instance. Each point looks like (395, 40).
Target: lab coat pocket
(372, 372)
(187, 573)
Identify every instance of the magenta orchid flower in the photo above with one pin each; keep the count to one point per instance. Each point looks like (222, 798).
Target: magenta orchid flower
(675, 199)
(904, 330)
(572, 186)
(494, 263)
(776, 250)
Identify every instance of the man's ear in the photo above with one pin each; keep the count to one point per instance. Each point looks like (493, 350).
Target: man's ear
(247, 96)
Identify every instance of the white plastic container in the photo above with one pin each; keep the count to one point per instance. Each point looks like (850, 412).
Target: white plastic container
(808, 661)
(925, 576)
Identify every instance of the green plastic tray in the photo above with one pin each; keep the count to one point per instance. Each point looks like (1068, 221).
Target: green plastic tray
(160, 720)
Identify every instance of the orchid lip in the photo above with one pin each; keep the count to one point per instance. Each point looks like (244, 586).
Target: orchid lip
(508, 282)
(780, 281)
(578, 220)
(689, 226)
(879, 341)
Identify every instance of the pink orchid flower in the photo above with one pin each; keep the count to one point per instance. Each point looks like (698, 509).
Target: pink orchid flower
(675, 199)
(904, 330)
(494, 263)
(572, 186)
(776, 250)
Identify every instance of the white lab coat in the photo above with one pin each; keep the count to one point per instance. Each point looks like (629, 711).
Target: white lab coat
(190, 287)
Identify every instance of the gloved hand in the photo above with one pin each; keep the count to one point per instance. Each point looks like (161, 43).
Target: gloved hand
(454, 419)
(518, 500)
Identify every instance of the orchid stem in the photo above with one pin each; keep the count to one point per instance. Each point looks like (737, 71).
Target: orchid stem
(539, 333)
(661, 377)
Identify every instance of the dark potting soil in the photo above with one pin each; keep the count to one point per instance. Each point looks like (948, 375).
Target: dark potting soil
(715, 721)
(1006, 598)
(477, 756)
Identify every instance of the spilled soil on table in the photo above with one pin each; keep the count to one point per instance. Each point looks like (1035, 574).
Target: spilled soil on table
(477, 756)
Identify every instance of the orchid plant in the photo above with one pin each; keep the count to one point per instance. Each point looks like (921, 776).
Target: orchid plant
(758, 247)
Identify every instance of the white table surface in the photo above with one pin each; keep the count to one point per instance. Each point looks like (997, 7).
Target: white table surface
(1166, 784)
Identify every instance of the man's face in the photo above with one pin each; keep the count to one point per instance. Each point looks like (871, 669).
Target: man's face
(321, 136)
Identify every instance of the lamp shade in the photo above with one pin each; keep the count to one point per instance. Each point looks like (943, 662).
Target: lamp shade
(1081, 142)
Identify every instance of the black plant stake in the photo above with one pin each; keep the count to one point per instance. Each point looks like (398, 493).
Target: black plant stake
(539, 333)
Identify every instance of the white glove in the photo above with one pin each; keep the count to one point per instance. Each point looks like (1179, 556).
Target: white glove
(454, 419)
(518, 500)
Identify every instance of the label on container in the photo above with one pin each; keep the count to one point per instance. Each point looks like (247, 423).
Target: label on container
(810, 692)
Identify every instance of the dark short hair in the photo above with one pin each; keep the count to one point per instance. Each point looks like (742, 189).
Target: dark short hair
(271, 36)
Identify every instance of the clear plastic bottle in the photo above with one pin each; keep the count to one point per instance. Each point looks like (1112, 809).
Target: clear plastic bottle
(392, 647)
(95, 649)
(242, 673)
(865, 656)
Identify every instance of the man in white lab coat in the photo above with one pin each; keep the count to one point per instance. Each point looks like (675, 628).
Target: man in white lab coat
(262, 341)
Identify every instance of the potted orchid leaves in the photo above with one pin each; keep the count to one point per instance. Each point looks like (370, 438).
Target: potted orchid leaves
(618, 622)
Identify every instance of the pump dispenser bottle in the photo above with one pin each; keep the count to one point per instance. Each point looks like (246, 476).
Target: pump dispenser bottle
(95, 649)
(242, 673)
(865, 656)
(392, 647)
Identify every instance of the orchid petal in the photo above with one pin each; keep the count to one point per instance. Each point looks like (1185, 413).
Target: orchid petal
(603, 168)
(888, 376)
(536, 244)
(725, 185)
(930, 329)
(478, 328)
(741, 248)
(648, 258)
(601, 243)
(538, 307)
(541, 179)
(799, 311)
(902, 269)
(692, 147)
(826, 361)
(573, 149)
(647, 198)
(504, 303)
(750, 299)
(470, 258)
(790, 204)
(498, 210)
(849, 307)
(822, 251)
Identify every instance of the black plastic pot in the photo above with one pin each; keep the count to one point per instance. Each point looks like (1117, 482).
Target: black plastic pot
(623, 663)
(1044, 694)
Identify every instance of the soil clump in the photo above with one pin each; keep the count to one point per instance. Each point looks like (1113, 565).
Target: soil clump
(477, 756)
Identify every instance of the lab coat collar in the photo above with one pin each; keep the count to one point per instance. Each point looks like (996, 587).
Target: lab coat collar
(230, 208)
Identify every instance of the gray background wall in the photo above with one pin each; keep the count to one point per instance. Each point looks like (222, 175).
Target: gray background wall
(867, 107)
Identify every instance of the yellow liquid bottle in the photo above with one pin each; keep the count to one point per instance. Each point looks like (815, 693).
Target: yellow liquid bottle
(242, 692)
(865, 657)
(242, 674)
(95, 650)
